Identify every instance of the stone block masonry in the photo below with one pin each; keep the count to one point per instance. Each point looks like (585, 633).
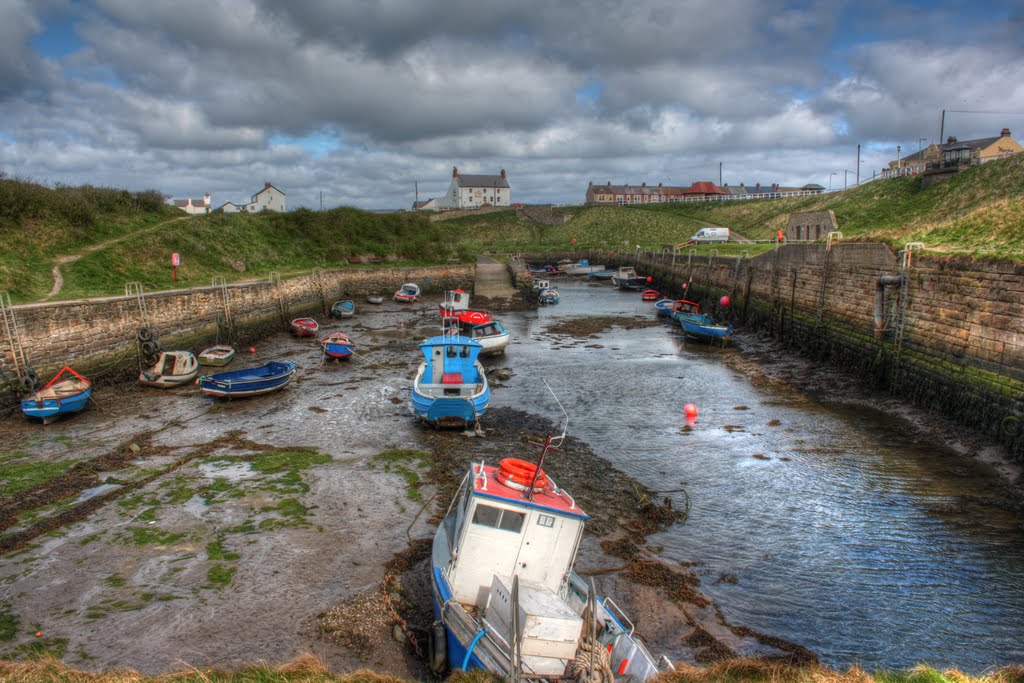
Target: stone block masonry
(962, 349)
(97, 336)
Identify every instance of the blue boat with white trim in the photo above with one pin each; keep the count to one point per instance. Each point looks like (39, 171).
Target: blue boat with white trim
(343, 309)
(699, 325)
(58, 397)
(504, 593)
(338, 345)
(450, 388)
(249, 382)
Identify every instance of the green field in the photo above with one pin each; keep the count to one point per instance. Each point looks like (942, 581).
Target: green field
(129, 237)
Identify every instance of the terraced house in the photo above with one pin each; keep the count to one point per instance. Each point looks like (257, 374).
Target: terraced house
(966, 153)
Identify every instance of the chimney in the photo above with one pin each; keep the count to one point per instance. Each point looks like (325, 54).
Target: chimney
(455, 171)
(266, 184)
(590, 184)
(951, 140)
(1005, 133)
(741, 185)
(659, 185)
(643, 184)
(757, 186)
(502, 173)
(609, 183)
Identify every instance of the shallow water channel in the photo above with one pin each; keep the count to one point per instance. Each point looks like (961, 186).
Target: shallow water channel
(844, 532)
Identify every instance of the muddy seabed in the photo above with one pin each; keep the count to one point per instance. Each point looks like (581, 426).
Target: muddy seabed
(184, 531)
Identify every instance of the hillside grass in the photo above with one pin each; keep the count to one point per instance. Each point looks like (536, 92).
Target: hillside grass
(978, 213)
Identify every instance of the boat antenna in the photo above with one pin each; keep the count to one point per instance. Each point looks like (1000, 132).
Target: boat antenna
(550, 443)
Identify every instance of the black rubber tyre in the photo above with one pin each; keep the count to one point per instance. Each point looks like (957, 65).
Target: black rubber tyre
(149, 348)
(145, 334)
(30, 374)
(151, 359)
(26, 384)
(1011, 426)
(437, 648)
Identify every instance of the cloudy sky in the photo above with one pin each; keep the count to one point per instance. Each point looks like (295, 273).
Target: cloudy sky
(359, 99)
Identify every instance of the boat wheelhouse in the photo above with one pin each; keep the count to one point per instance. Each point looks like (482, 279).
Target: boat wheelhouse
(626, 278)
(505, 596)
(456, 306)
(492, 336)
(699, 325)
(450, 388)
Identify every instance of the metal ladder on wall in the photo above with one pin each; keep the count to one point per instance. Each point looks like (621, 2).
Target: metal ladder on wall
(275, 281)
(18, 356)
(823, 290)
(135, 289)
(221, 283)
(899, 324)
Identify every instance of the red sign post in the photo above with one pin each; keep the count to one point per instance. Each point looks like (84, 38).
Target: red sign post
(175, 262)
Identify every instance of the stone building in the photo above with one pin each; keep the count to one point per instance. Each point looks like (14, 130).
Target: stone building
(811, 225)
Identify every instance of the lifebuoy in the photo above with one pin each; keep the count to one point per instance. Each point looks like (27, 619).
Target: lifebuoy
(145, 334)
(520, 473)
(437, 648)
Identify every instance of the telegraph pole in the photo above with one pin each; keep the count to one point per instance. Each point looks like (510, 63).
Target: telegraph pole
(858, 163)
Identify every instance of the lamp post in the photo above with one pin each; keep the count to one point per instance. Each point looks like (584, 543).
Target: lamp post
(846, 172)
(830, 180)
(921, 141)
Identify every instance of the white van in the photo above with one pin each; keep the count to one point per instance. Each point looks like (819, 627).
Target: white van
(711, 235)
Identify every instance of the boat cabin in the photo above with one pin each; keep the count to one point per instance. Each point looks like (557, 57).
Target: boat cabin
(456, 300)
(626, 272)
(497, 532)
(541, 284)
(490, 329)
(688, 307)
(451, 361)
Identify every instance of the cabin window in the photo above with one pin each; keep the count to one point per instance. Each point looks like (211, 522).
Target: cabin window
(485, 515)
(545, 520)
(464, 351)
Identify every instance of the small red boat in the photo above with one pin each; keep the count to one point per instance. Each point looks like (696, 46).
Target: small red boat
(304, 327)
(650, 295)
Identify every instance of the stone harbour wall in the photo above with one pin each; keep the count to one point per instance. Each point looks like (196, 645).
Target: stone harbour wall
(97, 336)
(962, 350)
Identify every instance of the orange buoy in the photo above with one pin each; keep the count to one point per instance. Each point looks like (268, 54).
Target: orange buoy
(518, 474)
(690, 410)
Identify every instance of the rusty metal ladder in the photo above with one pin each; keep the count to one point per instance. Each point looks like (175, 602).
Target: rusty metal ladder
(18, 356)
(899, 325)
(136, 290)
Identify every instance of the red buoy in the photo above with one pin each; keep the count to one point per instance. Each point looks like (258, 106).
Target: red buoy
(252, 349)
(650, 279)
(724, 301)
(690, 410)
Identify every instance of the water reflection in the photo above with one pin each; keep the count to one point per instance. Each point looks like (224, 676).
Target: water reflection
(845, 533)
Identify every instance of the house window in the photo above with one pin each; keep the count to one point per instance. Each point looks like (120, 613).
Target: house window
(636, 198)
(498, 518)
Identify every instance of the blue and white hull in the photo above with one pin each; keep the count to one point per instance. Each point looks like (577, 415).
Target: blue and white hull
(450, 388)
(250, 382)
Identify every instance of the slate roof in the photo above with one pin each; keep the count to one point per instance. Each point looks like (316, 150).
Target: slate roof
(481, 181)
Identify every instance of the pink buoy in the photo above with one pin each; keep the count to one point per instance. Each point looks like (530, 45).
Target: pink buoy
(724, 301)
(252, 349)
(690, 410)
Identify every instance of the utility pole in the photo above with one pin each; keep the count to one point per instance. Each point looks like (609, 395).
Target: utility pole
(942, 126)
(417, 193)
(321, 200)
(858, 163)
(898, 157)
(719, 173)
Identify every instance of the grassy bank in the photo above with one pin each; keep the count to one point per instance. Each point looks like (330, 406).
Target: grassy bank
(308, 669)
(123, 237)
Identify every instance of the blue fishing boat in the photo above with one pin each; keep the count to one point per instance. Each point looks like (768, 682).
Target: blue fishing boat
(601, 274)
(700, 325)
(249, 382)
(626, 278)
(450, 388)
(548, 296)
(338, 345)
(663, 308)
(504, 593)
(343, 309)
(58, 397)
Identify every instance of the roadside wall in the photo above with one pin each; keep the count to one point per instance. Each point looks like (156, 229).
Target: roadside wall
(97, 336)
(962, 353)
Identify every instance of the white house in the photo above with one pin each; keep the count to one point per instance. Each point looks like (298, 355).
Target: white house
(473, 191)
(193, 206)
(268, 199)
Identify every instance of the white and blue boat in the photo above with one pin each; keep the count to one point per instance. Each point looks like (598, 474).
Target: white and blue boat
(699, 325)
(249, 382)
(450, 388)
(58, 397)
(626, 278)
(601, 274)
(582, 268)
(504, 593)
(548, 296)
(663, 308)
(343, 309)
(492, 336)
(338, 345)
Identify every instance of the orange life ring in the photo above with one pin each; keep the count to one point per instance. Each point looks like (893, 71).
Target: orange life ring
(521, 472)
